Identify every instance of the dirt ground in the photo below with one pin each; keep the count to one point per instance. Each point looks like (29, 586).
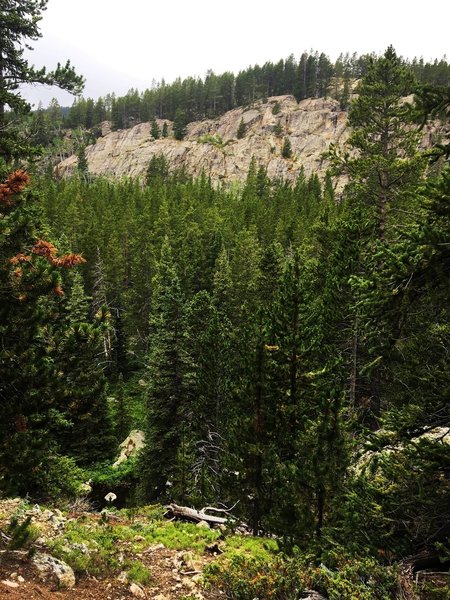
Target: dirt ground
(167, 582)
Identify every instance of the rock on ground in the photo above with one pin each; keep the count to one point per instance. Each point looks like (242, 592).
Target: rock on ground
(48, 566)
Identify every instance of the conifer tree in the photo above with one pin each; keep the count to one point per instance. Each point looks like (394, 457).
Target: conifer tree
(179, 124)
(155, 131)
(278, 129)
(158, 168)
(164, 459)
(82, 164)
(384, 168)
(241, 129)
(35, 376)
(208, 336)
(89, 436)
(286, 151)
(19, 24)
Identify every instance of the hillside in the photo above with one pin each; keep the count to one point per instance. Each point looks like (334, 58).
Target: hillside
(268, 347)
(212, 146)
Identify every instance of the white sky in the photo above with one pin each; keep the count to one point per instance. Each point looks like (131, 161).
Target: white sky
(118, 45)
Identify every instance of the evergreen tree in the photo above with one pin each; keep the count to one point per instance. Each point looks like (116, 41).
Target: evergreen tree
(82, 164)
(155, 131)
(164, 461)
(286, 151)
(276, 108)
(41, 127)
(241, 129)
(158, 168)
(384, 171)
(89, 435)
(345, 94)
(36, 374)
(208, 335)
(278, 129)
(165, 130)
(179, 124)
(19, 24)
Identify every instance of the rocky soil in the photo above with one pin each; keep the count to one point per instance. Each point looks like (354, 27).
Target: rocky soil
(32, 573)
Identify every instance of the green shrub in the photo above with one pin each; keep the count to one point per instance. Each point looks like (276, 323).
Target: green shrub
(60, 477)
(354, 579)
(22, 533)
(278, 129)
(276, 108)
(137, 572)
(214, 140)
(286, 151)
(245, 578)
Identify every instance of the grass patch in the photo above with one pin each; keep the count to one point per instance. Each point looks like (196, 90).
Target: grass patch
(214, 140)
(137, 572)
(94, 545)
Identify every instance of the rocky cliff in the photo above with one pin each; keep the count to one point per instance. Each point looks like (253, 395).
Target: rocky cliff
(212, 145)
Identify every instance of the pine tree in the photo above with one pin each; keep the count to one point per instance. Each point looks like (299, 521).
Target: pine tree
(89, 436)
(82, 164)
(278, 129)
(155, 131)
(34, 377)
(165, 130)
(158, 168)
(241, 129)
(19, 24)
(276, 108)
(164, 460)
(179, 124)
(209, 337)
(286, 151)
(384, 170)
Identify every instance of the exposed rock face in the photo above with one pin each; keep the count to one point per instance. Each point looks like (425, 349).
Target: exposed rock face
(130, 446)
(212, 145)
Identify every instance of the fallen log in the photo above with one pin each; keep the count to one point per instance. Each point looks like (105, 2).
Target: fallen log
(184, 512)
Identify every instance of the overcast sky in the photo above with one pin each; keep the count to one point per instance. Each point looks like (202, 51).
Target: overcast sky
(118, 45)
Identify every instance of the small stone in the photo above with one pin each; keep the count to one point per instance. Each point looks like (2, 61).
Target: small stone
(10, 584)
(13, 576)
(203, 524)
(189, 584)
(20, 579)
(155, 547)
(137, 591)
(122, 577)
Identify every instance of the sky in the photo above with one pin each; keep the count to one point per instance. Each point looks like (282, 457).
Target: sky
(118, 45)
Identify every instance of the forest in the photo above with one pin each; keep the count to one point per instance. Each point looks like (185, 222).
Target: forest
(284, 348)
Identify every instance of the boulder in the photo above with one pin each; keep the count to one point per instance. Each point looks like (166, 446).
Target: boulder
(130, 446)
(137, 591)
(59, 571)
